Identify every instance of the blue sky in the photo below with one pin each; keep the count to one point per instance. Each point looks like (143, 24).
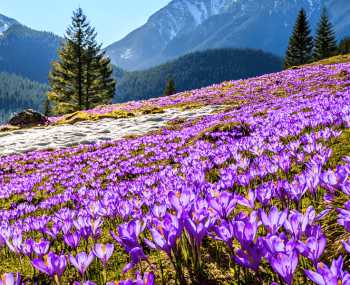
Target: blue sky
(113, 19)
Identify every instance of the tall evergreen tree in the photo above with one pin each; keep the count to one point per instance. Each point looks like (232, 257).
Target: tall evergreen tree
(325, 41)
(82, 77)
(47, 107)
(170, 88)
(344, 46)
(300, 43)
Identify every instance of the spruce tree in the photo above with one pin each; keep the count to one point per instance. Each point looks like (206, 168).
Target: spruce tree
(82, 77)
(344, 46)
(170, 88)
(325, 41)
(300, 43)
(47, 107)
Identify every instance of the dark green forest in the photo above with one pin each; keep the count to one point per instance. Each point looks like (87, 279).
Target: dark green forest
(195, 70)
(18, 93)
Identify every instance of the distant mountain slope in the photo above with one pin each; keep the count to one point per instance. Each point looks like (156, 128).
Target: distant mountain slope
(196, 70)
(18, 93)
(184, 26)
(6, 23)
(26, 52)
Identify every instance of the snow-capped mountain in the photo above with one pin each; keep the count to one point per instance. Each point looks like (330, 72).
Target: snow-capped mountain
(6, 23)
(178, 18)
(188, 25)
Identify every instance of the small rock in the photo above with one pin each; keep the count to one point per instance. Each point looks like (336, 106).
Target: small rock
(28, 118)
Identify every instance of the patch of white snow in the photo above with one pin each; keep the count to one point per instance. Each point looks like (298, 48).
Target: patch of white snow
(195, 12)
(127, 54)
(3, 28)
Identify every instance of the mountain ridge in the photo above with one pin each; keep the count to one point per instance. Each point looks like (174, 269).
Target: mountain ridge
(25, 51)
(6, 23)
(230, 24)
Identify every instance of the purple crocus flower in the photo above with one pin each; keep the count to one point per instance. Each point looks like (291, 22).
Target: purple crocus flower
(10, 279)
(53, 231)
(282, 256)
(15, 244)
(274, 220)
(297, 188)
(128, 234)
(297, 223)
(103, 252)
(27, 247)
(225, 233)
(223, 203)
(147, 279)
(335, 179)
(165, 234)
(82, 261)
(41, 248)
(252, 250)
(136, 255)
(264, 194)
(313, 248)
(248, 201)
(84, 225)
(199, 224)
(345, 187)
(51, 265)
(344, 216)
(346, 245)
(128, 237)
(72, 240)
(159, 211)
(245, 232)
(285, 264)
(95, 226)
(181, 201)
(329, 276)
(250, 255)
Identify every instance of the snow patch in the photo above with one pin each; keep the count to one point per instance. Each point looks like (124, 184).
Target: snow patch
(218, 5)
(90, 132)
(127, 54)
(195, 12)
(3, 28)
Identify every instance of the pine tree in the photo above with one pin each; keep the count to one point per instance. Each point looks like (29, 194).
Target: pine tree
(325, 41)
(300, 43)
(47, 107)
(344, 46)
(170, 88)
(82, 77)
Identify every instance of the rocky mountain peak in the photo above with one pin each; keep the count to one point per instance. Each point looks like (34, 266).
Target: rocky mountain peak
(185, 26)
(6, 23)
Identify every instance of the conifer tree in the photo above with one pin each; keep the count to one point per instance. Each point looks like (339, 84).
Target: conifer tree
(300, 43)
(170, 88)
(325, 41)
(344, 46)
(47, 107)
(82, 77)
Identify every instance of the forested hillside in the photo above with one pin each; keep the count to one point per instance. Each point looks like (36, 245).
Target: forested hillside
(188, 72)
(18, 93)
(27, 52)
(195, 70)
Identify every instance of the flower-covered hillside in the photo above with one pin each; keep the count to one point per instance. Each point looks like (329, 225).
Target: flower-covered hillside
(256, 194)
(228, 93)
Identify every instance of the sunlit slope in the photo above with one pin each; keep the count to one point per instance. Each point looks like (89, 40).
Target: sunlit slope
(258, 191)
